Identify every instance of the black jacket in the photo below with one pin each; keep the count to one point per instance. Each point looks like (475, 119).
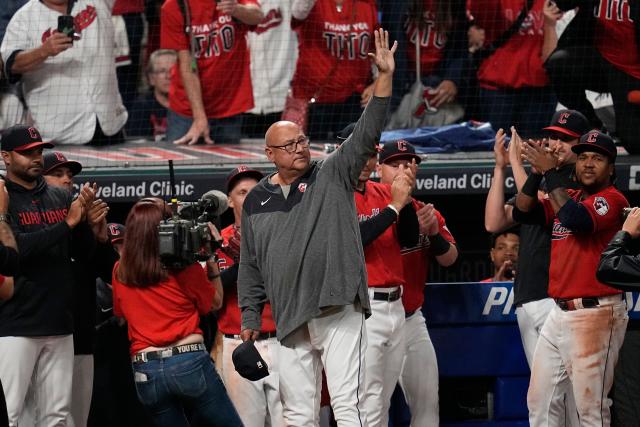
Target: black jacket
(620, 263)
(581, 29)
(41, 304)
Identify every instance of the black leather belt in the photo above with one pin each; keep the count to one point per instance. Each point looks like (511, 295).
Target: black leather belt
(262, 336)
(387, 296)
(408, 314)
(167, 352)
(575, 303)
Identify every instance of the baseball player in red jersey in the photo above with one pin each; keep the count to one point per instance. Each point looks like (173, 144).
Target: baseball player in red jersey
(385, 338)
(211, 84)
(419, 374)
(257, 402)
(583, 333)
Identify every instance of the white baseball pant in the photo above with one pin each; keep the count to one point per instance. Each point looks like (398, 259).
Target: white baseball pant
(531, 317)
(81, 389)
(577, 349)
(419, 377)
(335, 340)
(44, 364)
(384, 355)
(257, 402)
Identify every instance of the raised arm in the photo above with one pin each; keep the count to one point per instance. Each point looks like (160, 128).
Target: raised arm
(349, 159)
(497, 214)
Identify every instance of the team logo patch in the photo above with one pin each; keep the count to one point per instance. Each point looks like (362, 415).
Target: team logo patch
(302, 187)
(601, 206)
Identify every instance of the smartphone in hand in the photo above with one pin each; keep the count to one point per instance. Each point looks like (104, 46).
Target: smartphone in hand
(66, 25)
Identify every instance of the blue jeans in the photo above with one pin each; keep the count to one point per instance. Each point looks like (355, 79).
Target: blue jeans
(528, 109)
(223, 131)
(184, 390)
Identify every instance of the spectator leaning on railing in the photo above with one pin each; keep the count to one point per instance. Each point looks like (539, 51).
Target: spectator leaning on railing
(69, 83)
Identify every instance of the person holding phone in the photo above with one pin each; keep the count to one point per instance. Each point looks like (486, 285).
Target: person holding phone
(69, 80)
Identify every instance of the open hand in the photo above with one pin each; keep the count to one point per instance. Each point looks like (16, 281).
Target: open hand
(383, 58)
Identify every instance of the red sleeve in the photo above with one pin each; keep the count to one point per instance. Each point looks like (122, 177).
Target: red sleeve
(605, 209)
(172, 35)
(443, 229)
(549, 213)
(196, 286)
(1, 280)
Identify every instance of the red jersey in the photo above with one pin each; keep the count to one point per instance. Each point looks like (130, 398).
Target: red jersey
(575, 257)
(329, 37)
(382, 256)
(615, 36)
(518, 62)
(164, 313)
(415, 262)
(432, 42)
(122, 7)
(229, 316)
(222, 56)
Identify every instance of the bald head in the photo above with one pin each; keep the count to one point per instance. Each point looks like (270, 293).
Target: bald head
(277, 131)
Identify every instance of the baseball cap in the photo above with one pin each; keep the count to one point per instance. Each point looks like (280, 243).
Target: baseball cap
(241, 171)
(598, 142)
(248, 362)
(115, 232)
(21, 138)
(55, 159)
(569, 122)
(398, 150)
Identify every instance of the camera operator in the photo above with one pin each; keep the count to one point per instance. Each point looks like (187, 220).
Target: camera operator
(172, 370)
(620, 268)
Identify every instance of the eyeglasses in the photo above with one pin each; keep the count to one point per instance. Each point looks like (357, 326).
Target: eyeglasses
(292, 146)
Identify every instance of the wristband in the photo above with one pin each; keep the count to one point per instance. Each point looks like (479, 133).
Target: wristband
(554, 180)
(438, 244)
(531, 185)
(393, 208)
(213, 276)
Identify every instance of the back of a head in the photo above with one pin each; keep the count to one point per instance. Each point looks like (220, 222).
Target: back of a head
(140, 262)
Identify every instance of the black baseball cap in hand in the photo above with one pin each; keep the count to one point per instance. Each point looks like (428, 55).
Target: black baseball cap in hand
(22, 138)
(248, 362)
(598, 142)
(569, 122)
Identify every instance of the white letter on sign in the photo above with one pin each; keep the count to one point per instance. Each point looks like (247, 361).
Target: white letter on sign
(497, 297)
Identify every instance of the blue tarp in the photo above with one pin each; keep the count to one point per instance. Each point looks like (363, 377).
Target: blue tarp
(466, 136)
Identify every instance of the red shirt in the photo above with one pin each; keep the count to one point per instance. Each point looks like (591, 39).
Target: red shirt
(384, 262)
(432, 42)
(575, 257)
(518, 62)
(222, 57)
(164, 313)
(350, 38)
(229, 316)
(122, 7)
(615, 36)
(415, 263)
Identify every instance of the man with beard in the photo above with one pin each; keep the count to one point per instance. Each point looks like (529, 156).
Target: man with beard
(36, 323)
(579, 342)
